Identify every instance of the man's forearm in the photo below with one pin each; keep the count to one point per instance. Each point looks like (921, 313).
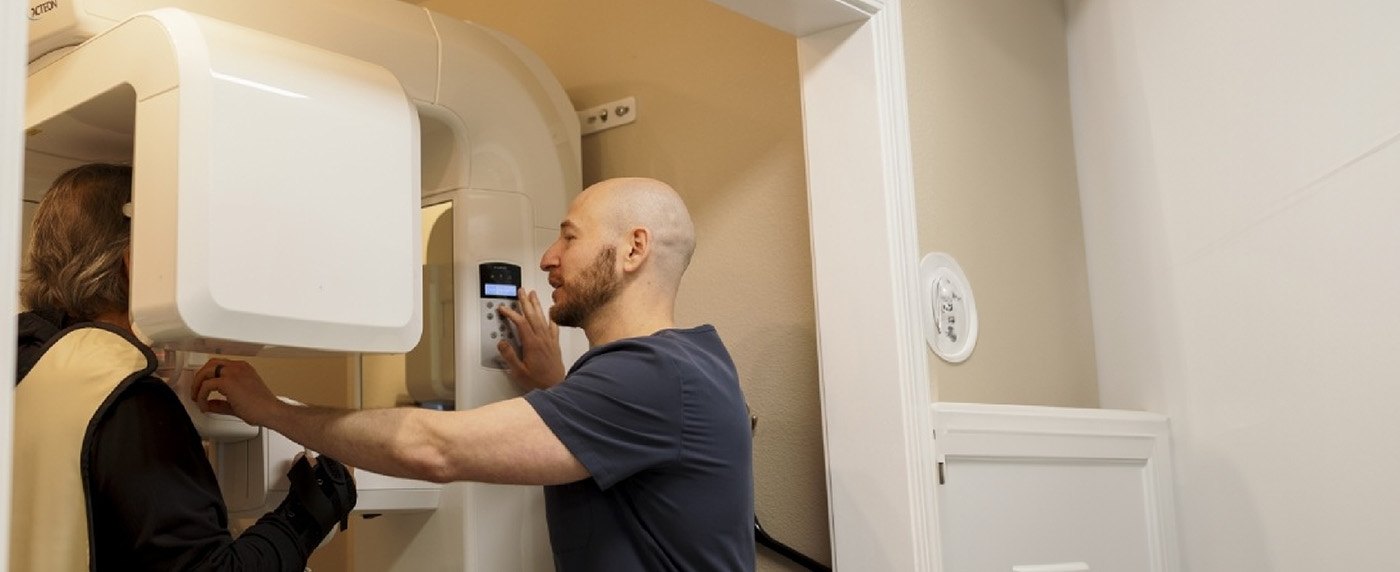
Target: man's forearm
(391, 441)
(502, 442)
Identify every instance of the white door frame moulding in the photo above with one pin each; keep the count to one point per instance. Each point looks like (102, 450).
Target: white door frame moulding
(874, 375)
(874, 370)
(14, 49)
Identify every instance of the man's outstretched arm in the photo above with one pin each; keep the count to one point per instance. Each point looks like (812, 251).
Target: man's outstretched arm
(503, 442)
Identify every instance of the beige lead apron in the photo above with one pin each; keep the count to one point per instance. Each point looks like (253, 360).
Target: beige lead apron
(54, 408)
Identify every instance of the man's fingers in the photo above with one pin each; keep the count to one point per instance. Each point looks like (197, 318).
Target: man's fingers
(530, 315)
(514, 317)
(201, 377)
(210, 378)
(513, 361)
(202, 391)
(216, 406)
(536, 311)
(525, 306)
(207, 370)
(546, 325)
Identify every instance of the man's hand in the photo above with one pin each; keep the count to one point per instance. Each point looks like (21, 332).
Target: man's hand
(541, 366)
(245, 394)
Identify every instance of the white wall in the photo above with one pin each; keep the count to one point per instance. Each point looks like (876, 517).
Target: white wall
(13, 45)
(1240, 185)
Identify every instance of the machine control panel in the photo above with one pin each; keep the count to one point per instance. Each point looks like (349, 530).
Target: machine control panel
(500, 285)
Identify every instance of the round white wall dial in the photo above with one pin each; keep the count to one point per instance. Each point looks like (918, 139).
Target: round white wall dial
(949, 310)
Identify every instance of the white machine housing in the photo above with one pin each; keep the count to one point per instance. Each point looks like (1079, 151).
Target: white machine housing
(237, 195)
(404, 107)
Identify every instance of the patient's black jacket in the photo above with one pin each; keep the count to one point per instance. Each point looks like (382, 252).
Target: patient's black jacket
(110, 473)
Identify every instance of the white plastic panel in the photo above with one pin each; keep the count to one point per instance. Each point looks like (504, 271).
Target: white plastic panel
(83, 77)
(524, 134)
(249, 471)
(402, 41)
(446, 156)
(334, 197)
(54, 24)
(380, 494)
(276, 185)
(491, 226)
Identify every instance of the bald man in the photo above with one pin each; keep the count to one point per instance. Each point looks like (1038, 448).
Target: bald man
(643, 446)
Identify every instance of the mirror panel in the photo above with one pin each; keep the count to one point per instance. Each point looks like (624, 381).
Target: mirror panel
(425, 376)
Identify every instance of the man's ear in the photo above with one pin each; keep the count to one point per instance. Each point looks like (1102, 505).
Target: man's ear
(638, 248)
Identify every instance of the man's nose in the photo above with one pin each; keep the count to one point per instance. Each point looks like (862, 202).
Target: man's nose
(551, 256)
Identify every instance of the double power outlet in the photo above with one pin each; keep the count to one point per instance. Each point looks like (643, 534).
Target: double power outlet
(608, 115)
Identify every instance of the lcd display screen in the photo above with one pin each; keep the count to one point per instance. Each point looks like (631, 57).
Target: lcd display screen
(502, 290)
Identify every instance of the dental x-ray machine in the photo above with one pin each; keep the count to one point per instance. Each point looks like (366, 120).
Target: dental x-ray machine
(282, 152)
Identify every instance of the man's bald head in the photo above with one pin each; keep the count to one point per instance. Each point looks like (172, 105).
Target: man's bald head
(625, 204)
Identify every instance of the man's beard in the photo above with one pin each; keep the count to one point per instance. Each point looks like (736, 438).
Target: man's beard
(593, 289)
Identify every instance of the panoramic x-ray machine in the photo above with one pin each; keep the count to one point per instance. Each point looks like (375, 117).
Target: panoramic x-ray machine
(326, 176)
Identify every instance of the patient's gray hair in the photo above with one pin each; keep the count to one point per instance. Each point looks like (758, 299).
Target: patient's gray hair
(80, 236)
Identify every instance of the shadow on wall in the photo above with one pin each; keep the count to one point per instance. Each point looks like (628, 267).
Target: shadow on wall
(788, 460)
(1238, 526)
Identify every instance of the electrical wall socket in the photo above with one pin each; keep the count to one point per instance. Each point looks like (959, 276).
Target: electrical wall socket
(608, 115)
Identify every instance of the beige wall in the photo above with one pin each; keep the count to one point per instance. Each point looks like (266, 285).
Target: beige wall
(720, 119)
(995, 176)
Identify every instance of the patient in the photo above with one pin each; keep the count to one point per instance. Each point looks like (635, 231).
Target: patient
(110, 473)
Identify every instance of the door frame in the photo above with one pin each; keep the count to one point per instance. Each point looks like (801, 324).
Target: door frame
(14, 46)
(874, 373)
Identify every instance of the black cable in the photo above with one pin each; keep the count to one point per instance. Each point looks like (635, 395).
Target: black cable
(784, 550)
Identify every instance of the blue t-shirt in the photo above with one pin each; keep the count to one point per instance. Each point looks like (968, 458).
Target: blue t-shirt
(661, 425)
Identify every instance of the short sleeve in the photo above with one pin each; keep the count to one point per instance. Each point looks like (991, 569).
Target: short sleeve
(619, 411)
